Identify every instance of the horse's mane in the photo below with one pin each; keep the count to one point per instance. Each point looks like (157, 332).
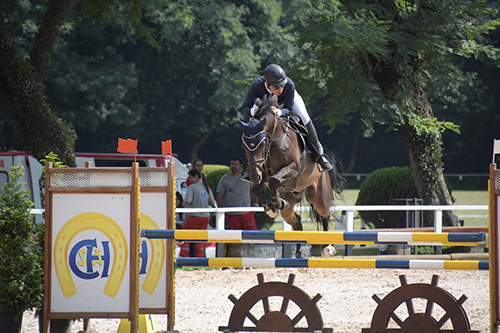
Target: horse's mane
(265, 105)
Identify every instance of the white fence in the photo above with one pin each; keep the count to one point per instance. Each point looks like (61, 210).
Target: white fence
(349, 212)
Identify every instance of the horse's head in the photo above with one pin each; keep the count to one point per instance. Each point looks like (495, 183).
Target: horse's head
(255, 137)
(254, 144)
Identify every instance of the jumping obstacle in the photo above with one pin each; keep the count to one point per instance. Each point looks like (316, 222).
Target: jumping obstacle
(398, 302)
(336, 263)
(319, 237)
(275, 321)
(419, 321)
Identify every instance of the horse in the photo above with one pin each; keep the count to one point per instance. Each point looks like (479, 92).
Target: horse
(277, 156)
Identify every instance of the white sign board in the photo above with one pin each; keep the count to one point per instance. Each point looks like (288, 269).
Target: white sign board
(90, 237)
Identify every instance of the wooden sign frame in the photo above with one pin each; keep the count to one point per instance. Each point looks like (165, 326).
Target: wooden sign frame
(158, 198)
(494, 224)
(115, 185)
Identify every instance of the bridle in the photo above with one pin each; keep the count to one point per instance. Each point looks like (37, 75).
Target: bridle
(267, 139)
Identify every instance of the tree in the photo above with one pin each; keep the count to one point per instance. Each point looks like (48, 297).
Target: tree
(381, 59)
(109, 83)
(24, 63)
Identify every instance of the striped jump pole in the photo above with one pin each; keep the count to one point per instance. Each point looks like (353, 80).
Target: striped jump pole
(336, 263)
(319, 237)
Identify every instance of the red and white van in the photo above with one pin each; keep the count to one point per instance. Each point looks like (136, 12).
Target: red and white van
(33, 168)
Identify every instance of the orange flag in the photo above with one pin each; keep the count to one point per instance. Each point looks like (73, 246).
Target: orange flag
(127, 146)
(166, 147)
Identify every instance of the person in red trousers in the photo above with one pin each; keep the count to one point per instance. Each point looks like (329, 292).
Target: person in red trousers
(198, 195)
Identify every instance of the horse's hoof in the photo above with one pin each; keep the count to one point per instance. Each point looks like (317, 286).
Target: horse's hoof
(329, 251)
(303, 269)
(284, 204)
(273, 213)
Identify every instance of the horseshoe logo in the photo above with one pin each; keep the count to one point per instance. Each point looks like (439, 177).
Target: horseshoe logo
(78, 224)
(157, 256)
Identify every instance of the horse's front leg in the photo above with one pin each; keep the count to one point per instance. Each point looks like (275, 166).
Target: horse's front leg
(258, 190)
(285, 174)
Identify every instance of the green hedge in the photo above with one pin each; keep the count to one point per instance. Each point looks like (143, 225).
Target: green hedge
(213, 172)
(380, 188)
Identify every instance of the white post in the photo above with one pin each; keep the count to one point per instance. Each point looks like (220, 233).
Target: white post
(438, 220)
(219, 220)
(350, 220)
(286, 226)
(219, 225)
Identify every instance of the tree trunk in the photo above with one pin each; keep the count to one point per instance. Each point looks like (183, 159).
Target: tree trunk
(355, 144)
(39, 130)
(200, 142)
(424, 151)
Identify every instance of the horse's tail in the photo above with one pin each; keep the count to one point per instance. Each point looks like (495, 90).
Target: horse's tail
(337, 182)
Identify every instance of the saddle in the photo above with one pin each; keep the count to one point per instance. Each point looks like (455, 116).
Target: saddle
(295, 124)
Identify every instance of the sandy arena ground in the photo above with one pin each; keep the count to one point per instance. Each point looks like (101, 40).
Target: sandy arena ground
(202, 303)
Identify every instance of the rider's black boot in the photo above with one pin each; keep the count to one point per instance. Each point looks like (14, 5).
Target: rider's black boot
(316, 145)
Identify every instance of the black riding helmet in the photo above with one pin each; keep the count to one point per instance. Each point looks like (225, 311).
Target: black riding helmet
(275, 75)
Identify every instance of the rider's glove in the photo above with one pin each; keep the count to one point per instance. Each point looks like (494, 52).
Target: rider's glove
(253, 110)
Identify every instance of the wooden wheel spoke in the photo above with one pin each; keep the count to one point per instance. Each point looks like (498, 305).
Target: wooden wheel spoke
(419, 322)
(428, 308)
(443, 320)
(252, 318)
(265, 303)
(273, 321)
(284, 305)
(397, 319)
(409, 306)
(297, 318)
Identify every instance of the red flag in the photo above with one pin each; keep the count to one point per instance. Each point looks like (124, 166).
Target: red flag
(166, 147)
(127, 146)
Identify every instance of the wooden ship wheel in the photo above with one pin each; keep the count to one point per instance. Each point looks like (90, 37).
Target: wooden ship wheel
(419, 322)
(275, 320)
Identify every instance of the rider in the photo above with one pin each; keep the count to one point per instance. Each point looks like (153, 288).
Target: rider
(276, 82)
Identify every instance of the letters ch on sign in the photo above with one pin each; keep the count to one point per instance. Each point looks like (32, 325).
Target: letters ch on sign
(81, 260)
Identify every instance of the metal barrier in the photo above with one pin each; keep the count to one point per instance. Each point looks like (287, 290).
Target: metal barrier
(349, 215)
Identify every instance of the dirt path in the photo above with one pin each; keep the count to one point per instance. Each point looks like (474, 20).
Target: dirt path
(346, 305)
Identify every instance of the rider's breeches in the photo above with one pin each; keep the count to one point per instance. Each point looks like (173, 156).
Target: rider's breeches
(194, 222)
(299, 108)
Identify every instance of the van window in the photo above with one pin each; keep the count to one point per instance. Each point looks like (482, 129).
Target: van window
(4, 178)
(117, 163)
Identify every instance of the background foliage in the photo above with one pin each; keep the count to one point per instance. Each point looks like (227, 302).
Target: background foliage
(108, 83)
(21, 274)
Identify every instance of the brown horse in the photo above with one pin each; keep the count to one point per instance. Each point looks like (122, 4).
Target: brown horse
(277, 157)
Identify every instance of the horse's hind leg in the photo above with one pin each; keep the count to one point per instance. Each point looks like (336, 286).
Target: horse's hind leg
(329, 250)
(320, 198)
(295, 222)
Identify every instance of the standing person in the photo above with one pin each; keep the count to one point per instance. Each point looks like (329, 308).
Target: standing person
(234, 192)
(197, 196)
(179, 217)
(276, 82)
(197, 164)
